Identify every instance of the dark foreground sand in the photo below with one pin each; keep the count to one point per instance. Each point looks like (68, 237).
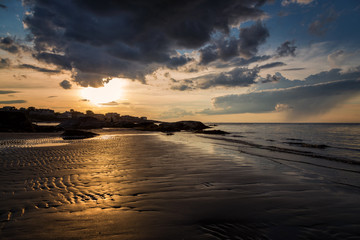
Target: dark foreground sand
(140, 186)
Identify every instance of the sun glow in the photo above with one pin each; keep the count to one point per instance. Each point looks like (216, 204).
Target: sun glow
(111, 92)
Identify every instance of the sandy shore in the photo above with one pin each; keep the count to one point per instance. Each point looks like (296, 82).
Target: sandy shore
(130, 185)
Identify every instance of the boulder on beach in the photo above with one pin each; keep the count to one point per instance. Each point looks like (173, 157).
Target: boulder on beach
(15, 122)
(77, 134)
(82, 123)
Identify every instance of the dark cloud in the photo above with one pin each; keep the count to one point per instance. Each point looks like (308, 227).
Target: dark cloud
(251, 38)
(100, 39)
(176, 62)
(5, 63)
(333, 75)
(270, 78)
(7, 91)
(39, 69)
(13, 102)
(238, 77)
(292, 69)
(55, 59)
(208, 54)
(321, 25)
(288, 48)
(182, 87)
(225, 48)
(8, 44)
(242, 62)
(3, 6)
(52, 96)
(272, 65)
(302, 101)
(65, 84)
(316, 94)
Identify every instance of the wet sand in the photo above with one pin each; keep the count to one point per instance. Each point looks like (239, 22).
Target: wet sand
(142, 186)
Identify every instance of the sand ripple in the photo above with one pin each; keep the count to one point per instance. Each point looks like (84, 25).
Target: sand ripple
(141, 187)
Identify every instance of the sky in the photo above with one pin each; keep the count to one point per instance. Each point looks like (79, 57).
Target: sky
(213, 61)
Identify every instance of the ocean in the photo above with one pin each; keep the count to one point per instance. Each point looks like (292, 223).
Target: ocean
(261, 181)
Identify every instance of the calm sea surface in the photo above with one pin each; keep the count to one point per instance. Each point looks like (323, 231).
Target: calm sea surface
(325, 151)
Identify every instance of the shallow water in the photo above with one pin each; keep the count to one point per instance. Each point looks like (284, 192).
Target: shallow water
(131, 185)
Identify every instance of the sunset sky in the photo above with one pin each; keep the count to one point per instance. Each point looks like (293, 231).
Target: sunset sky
(213, 61)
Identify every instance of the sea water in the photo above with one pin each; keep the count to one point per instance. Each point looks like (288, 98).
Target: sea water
(330, 152)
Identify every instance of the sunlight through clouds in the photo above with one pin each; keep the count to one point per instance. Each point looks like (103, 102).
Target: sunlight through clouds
(112, 91)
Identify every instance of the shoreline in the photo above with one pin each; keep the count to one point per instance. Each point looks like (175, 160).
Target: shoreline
(144, 185)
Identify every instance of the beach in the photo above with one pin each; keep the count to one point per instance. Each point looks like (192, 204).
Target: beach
(126, 184)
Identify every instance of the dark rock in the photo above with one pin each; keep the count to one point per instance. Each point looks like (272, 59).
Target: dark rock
(182, 125)
(215, 132)
(15, 122)
(47, 128)
(77, 134)
(147, 126)
(82, 123)
(123, 124)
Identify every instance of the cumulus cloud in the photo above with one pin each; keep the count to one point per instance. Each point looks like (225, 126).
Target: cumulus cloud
(316, 94)
(270, 78)
(101, 39)
(288, 48)
(226, 48)
(65, 84)
(321, 25)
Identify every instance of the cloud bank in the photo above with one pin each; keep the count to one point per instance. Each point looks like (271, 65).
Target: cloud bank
(315, 95)
(103, 39)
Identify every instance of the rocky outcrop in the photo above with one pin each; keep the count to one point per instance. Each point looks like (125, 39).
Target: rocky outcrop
(82, 123)
(214, 132)
(77, 134)
(15, 122)
(182, 125)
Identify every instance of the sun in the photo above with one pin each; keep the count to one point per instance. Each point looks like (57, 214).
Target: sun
(111, 92)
